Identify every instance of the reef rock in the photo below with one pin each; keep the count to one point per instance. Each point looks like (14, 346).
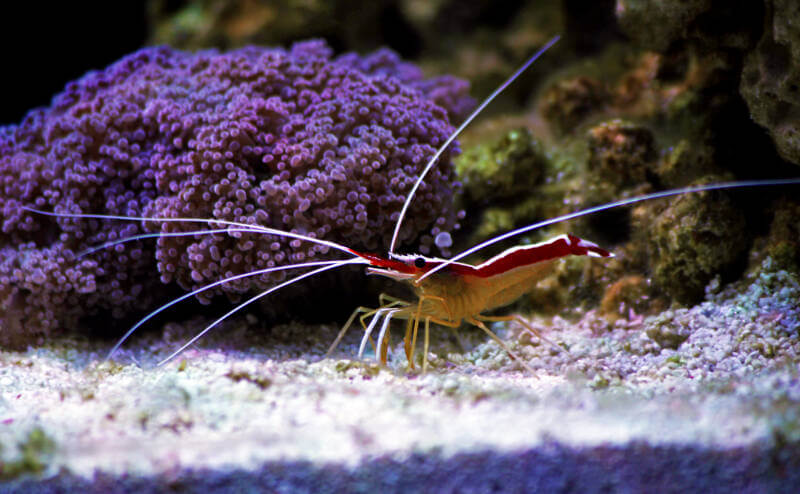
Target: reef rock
(770, 81)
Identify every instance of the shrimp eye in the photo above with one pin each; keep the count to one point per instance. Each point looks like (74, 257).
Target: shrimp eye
(419, 262)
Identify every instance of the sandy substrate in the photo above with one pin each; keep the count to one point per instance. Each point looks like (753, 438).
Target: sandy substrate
(706, 399)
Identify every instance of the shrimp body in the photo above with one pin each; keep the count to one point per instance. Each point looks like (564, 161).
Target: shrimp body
(458, 292)
(470, 290)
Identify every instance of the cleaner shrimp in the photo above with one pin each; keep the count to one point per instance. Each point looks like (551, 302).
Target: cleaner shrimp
(448, 292)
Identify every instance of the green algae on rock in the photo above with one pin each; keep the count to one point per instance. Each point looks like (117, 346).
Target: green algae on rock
(783, 239)
(692, 239)
(621, 152)
(503, 169)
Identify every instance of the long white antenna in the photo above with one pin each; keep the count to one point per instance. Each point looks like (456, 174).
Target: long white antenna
(610, 205)
(458, 131)
(249, 301)
(236, 224)
(233, 226)
(143, 236)
(210, 286)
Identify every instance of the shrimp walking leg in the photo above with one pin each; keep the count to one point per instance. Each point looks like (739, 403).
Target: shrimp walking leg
(525, 326)
(386, 314)
(428, 320)
(383, 335)
(365, 312)
(416, 318)
(491, 334)
(407, 342)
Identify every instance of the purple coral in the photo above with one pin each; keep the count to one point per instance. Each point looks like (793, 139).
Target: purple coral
(293, 140)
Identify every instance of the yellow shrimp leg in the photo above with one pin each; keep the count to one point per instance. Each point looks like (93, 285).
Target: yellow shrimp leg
(488, 331)
(416, 317)
(527, 327)
(367, 312)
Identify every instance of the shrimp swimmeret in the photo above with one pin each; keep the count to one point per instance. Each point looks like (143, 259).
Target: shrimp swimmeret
(449, 292)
